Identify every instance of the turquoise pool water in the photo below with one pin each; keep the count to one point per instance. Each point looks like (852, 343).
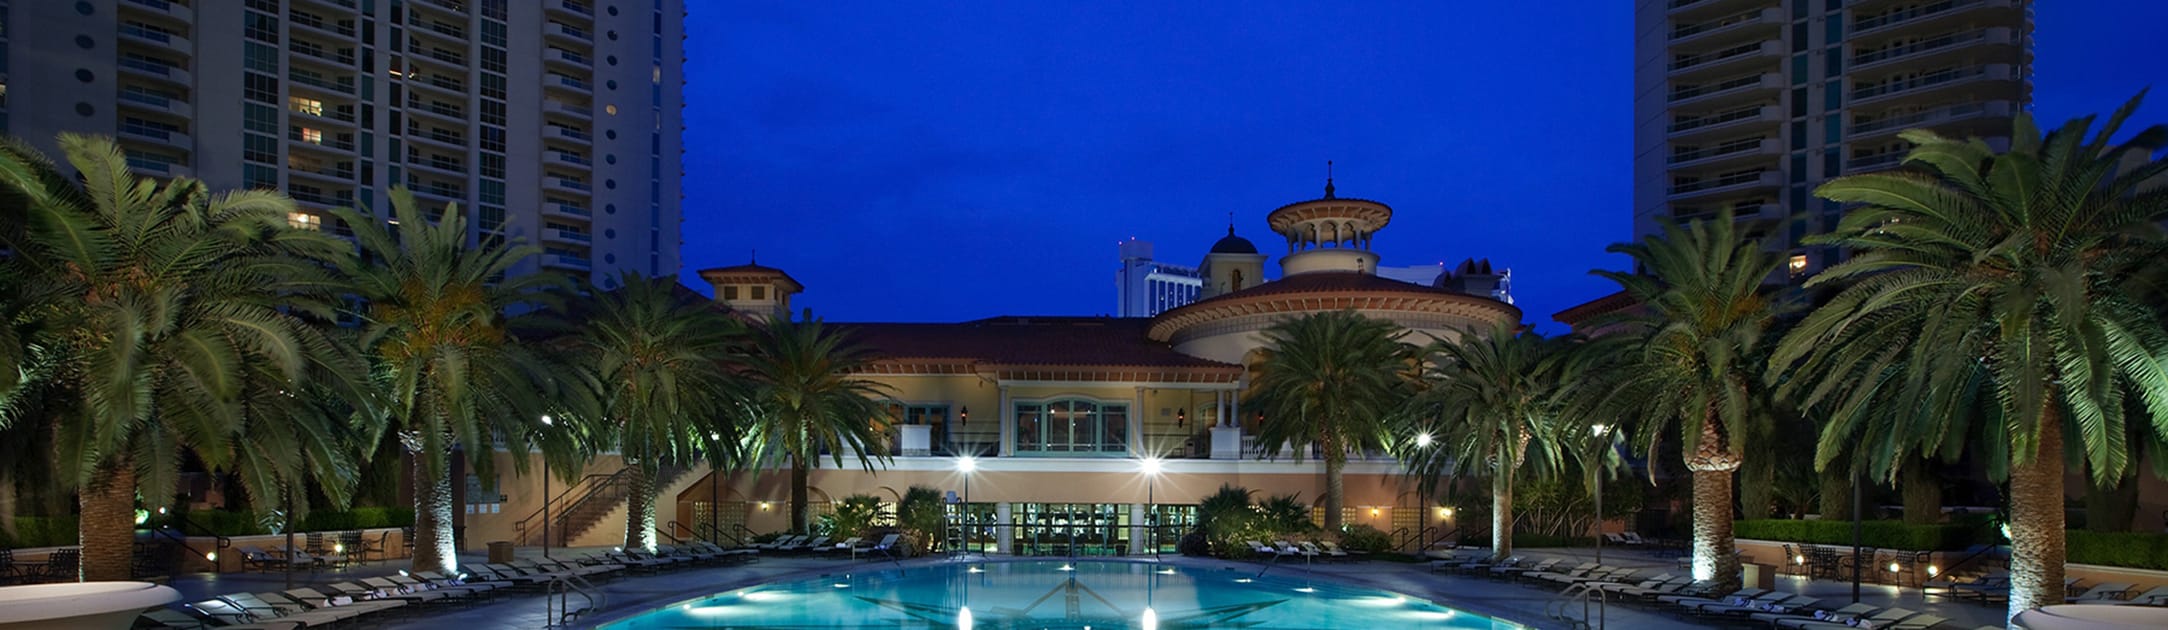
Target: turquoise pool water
(1074, 595)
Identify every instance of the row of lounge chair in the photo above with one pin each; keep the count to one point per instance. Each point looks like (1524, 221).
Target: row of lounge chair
(1305, 550)
(1683, 596)
(821, 545)
(1994, 586)
(373, 601)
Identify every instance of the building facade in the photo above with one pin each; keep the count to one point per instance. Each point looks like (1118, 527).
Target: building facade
(1747, 105)
(1060, 413)
(1145, 287)
(552, 121)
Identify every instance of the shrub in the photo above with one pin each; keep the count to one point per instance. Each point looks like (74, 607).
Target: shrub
(921, 515)
(852, 517)
(2119, 549)
(1365, 538)
(1881, 534)
(41, 531)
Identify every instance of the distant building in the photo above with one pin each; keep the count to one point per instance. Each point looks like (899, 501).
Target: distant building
(1748, 105)
(1475, 277)
(1413, 274)
(1145, 287)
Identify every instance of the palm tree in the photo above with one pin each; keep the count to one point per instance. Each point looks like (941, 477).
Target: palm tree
(1330, 379)
(1687, 358)
(1992, 286)
(805, 398)
(1489, 397)
(454, 374)
(190, 322)
(656, 364)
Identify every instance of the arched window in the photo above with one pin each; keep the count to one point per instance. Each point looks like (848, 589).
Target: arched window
(1237, 281)
(1072, 427)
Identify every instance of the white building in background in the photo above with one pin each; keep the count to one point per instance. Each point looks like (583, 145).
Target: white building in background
(555, 121)
(1425, 275)
(1145, 287)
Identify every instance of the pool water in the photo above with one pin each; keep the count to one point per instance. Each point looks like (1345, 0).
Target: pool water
(1052, 594)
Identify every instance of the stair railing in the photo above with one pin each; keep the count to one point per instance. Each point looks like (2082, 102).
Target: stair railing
(530, 528)
(557, 602)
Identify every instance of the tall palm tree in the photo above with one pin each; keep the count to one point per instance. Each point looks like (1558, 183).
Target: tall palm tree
(188, 321)
(437, 325)
(1330, 379)
(656, 364)
(1992, 285)
(804, 398)
(1688, 359)
(1489, 397)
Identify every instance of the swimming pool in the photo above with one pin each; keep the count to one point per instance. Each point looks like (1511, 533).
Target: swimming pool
(1049, 594)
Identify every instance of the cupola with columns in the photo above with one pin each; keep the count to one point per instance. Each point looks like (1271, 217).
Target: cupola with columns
(1329, 233)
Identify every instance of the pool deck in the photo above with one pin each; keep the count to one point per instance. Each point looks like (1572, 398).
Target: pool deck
(1524, 604)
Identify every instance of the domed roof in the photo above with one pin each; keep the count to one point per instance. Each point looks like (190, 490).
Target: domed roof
(1232, 244)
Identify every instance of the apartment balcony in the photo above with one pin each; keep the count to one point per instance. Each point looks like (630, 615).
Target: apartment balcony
(1764, 150)
(308, 27)
(440, 194)
(553, 235)
(330, 5)
(1695, 11)
(446, 8)
(449, 142)
(439, 111)
(558, 31)
(579, 112)
(1925, 18)
(571, 8)
(334, 147)
(329, 116)
(568, 134)
(156, 71)
(1936, 118)
(156, 39)
(554, 157)
(155, 103)
(1737, 27)
(1733, 122)
(1874, 162)
(1940, 50)
(1742, 210)
(568, 59)
(328, 174)
(1738, 59)
(557, 81)
(442, 32)
(566, 261)
(566, 185)
(1978, 83)
(1736, 90)
(163, 9)
(320, 199)
(564, 210)
(151, 167)
(1726, 185)
(438, 83)
(157, 136)
(342, 87)
(437, 166)
(332, 59)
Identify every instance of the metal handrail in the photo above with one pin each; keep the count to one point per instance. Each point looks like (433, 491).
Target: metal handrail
(525, 525)
(557, 600)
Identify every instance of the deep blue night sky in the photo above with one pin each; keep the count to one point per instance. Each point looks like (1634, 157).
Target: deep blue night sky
(950, 161)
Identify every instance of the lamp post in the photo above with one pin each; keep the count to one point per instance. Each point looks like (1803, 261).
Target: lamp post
(1422, 505)
(967, 465)
(546, 422)
(1151, 467)
(1601, 431)
(715, 490)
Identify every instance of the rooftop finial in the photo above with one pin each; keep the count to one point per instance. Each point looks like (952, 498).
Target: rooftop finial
(1230, 224)
(1328, 179)
(754, 257)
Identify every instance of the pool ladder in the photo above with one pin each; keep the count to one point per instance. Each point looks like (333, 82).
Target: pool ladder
(557, 600)
(1591, 597)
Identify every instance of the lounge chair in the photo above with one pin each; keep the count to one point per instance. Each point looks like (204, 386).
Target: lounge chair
(1810, 613)
(887, 546)
(1575, 570)
(1334, 549)
(781, 543)
(2106, 591)
(2156, 596)
(1766, 604)
(1701, 593)
(170, 618)
(841, 547)
(225, 613)
(1514, 572)
(1881, 618)
(255, 609)
(1291, 550)
(1329, 554)
(317, 600)
(1989, 588)
(1632, 538)
(260, 560)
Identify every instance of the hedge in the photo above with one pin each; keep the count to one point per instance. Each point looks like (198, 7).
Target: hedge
(1879, 534)
(40, 531)
(2135, 550)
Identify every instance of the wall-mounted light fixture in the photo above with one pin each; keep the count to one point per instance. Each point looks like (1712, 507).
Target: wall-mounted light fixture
(964, 416)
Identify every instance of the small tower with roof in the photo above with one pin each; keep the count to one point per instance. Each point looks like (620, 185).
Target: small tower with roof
(755, 290)
(1329, 233)
(1232, 265)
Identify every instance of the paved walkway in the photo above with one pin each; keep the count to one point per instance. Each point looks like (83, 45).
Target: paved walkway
(1521, 603)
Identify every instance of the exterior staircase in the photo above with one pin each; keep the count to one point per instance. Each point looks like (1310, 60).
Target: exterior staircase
(593, 504)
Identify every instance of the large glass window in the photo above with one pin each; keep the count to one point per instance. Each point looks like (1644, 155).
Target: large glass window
(1072, 427)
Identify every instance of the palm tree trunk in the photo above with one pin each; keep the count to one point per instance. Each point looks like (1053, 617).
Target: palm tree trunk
(640, 510)
(1923, 493)
(1501, 519)
(107, 527)
(798, 495)
(434, 549)
(1714, 556)
(1334, 490)
(2037, 548)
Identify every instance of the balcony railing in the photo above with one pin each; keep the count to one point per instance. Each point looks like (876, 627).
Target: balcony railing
(1704, 89)
(1688, 30)
(1908, 14)
(1736, 146)
(568, 184)
(344, 85)
(1885, 53)
(1717, 182)
(570, 82)
(146, 65)
(569, 132)
(1742, 50)
(1742, 113)
(310, 20)
(1923, 80)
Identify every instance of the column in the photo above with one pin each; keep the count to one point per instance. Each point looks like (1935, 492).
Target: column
(1004, 534)
(1139, 537)
(1006, 415)
(1136, 424)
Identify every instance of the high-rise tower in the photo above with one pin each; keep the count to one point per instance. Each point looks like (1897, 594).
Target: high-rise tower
(1750, 104)
(556, 121)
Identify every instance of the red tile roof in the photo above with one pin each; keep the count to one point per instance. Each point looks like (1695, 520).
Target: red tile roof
(1015, 340)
